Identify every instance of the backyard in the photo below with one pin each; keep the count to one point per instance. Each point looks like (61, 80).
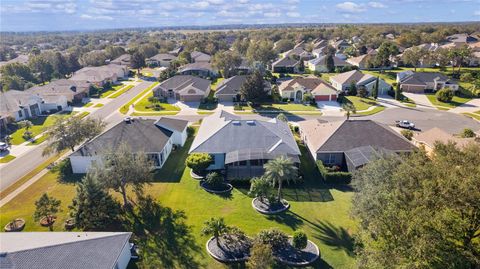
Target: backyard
(322, 211)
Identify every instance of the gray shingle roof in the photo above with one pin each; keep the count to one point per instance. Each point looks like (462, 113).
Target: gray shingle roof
(421, 78)
(285, 62)
(172, 124)
(163, 57)
(224, 133)
(139, 134)
(231, 85)
(179, 82)
(92, 251)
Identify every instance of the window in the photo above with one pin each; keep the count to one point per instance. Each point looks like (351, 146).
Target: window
(243, 163)
(254, 162)
(331, 159)
(20, 114)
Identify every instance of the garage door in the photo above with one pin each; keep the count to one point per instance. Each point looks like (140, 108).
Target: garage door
(191, 98)
(322, 97)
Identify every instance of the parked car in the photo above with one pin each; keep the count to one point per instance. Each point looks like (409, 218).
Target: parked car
(3, 146)
(405, 124)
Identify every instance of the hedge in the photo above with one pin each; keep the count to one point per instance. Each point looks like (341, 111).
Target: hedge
(334, 177)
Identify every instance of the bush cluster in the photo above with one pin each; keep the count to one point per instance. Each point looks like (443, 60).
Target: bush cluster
(334, 177)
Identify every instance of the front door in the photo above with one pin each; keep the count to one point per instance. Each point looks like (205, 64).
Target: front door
(298, 96)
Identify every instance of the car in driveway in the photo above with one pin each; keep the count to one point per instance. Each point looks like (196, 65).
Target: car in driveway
(405, 124)
(3, 146)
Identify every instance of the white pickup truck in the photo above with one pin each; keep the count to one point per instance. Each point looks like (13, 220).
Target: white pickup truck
(405, 124)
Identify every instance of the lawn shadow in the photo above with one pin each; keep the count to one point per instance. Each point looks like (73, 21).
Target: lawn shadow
(164, 238)
(336, 237)
(286, 218)
(318, 264)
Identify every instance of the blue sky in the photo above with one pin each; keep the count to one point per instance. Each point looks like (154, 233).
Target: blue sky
(51, 15)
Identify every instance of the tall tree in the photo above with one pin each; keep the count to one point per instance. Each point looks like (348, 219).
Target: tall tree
(113, 52)
(280, 170)
(226, 62)
(121, 168)
(384, 52)
(93, 208)
(330, 63)
(46, 207)
(138, 61)
(260, 51)
(413, 57)
(349, 108)
(418, 211)
(375, 89)
(253, 90)
(68, 133)
(215, 227)
(41, 66)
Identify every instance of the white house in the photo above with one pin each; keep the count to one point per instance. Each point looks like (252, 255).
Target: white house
(155, 138)
(320, 64)
(342, 82)
(296, 88)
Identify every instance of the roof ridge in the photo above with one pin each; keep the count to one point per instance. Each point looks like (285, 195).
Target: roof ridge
(330, 136)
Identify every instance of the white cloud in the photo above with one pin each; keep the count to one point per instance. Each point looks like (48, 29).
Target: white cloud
(293, 14)
(351, 7)
(376, 5)
(274, 14)
(90, 17)
(477, 13)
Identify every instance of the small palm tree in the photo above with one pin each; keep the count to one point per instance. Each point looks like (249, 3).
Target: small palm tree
(215, 227)
(349, 108)
(279, 170)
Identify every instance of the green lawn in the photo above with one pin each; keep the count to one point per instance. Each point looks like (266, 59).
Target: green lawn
(322, 211)
(124, 108)
(98, 105)
(474, 115)
(38, 141)
(39, 124)
(121, 91)
(370, 112)
(456, 101)
(214, 84)
(156, 113)
(88, 104)
(361, 103)
(146, 106)
(7, 158)
(111, 90)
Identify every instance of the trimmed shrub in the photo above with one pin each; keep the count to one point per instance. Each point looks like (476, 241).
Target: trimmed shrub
(467, 133)
(334, 177)
(198, 162)
(214, 179)
(273, 237)
(444, 95)
(190, 131)
(407, 134)
(300, 240)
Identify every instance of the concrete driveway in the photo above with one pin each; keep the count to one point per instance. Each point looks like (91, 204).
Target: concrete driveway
(469, 107)
(420, 99)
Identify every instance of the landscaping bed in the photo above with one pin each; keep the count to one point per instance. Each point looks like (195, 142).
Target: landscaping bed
(227, 253)
(265, 207)
(298, 257)
(224, 188)
(16, 225)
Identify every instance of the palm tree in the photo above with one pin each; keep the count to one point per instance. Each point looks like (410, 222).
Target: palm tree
(259, 187)
(349, 108)
(215, 227)
(279, 170)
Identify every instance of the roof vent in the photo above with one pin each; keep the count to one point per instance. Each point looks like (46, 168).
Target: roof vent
(127, 120)
(236, 122)
(250, 122)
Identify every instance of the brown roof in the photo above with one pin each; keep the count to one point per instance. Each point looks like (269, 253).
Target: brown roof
(438, 135)
(312, 83)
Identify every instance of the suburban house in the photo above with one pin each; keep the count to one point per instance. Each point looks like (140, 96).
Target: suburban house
(296, 88)
(161, 59)
(350, 144)
(228, 90)
(22, 59)
(155, 138)
(419, 82)
(99, 75)
(59, 250)
(19, 105)
(244, 67)
(318, 52)
(427, 139)
(124, 59)
(319, 43)
(201, 69)
(362, 61)
(343, 81)
(462, 38)
(320, 64)
(298, 52)
(340, 44)
(285, 65)
(185, 88)
(241, 147)
(72, 90)
(200, 57)
(176, 51)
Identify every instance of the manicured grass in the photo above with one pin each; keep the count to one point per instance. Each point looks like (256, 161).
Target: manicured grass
(38, 141)
(321, 210)
(375, 110)
(121, 91)
(146, 106)
(28, 176)
(474, 115)
(111, 90)
(124, 108)
(7, 158)
(214, 84)
(83, 114)
(39, 125)
(88, 105)
(288, 107)
(98, 105)
(361, 103)
(456, 101)
(205, 112)
(156, 113)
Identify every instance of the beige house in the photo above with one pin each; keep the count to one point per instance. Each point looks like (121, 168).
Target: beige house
(419, 82)
(185, 88)
(427, 139)
(296, 88)
(342, 82)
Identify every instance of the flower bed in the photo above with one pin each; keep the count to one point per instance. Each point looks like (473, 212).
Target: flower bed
(48, 221)
(297, 257)
(70, 224)
(224, 188)
(228, 253)
(15, 226)
(265, 207)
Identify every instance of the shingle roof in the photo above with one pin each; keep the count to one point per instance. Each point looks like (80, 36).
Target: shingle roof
(316, 85)
(348, 77)
(285, 62)
(61, 87)
(179, 83)
(342, 136)
(59, 250)
(10, 101)
(223, 132)
(230, 85)
(172, 124)
(322, 60)
(138, 134)
(421, 78)
(197, 66)
(200, 56)
(436, 134)
(163, 57)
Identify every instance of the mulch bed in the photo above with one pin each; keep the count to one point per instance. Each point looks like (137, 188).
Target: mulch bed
(295, 257)
(225, 187)
(19, 225)
(266, 208)
(228, 253)
(44, 221)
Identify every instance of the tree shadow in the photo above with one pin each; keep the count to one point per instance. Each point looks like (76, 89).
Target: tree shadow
(173, 169)
(164, 239)
(336, 237)
(318, 264)
(286, 218)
